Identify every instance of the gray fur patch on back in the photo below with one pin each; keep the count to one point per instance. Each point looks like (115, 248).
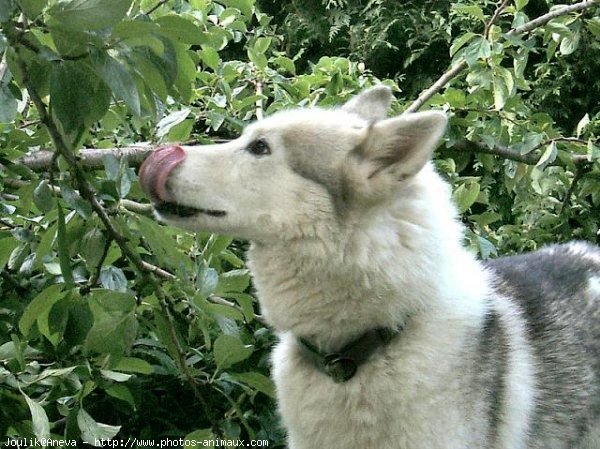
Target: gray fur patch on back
(552, 288)
(492, 370)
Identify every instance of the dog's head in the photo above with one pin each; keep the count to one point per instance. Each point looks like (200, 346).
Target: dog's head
(295, 171)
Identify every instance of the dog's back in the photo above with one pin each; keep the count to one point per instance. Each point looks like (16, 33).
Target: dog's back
(557, 290)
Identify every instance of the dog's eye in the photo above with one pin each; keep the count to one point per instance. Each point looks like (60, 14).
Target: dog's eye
(259, 147)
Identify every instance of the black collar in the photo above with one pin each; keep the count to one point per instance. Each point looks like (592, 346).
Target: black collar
(342, 365)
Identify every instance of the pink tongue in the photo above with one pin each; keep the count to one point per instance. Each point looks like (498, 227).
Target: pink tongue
(156, 169)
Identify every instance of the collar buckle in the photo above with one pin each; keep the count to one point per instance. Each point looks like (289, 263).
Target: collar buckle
(341, 366)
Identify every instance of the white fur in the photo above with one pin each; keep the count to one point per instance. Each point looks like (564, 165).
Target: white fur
(392, 255)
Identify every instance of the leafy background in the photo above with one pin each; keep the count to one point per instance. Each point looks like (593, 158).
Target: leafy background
(112, 325)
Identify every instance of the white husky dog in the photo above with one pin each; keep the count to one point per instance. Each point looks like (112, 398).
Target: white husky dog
(391, 334)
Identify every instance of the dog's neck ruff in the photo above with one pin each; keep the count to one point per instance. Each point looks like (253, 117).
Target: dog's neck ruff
(342, 365)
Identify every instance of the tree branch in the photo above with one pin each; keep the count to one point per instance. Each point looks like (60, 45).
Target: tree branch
(437, 86)
(90, 158)
(531, 158)
(542, 20)
(461, 66)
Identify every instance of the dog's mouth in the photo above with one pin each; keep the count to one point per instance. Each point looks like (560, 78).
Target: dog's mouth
(179, 210)
(154, 176)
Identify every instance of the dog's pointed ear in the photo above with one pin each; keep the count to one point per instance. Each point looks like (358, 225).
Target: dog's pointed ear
(402, 145)
(371, 104)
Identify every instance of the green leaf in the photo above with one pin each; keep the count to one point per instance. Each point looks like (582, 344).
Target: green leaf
(286, 64)
(93, 432)
(262, 44)
(460, 42)
(520, 4)
(336, 84)
(593, 25)
(42, 197)
(111, 166)
(122, 393)
(530, 142)
(199, 437)
(39, 418)
(71, 85)
(181, 132)
(8, 105)
(246, 7)
(485, 247)
(115, 325)
(465, 195)
(233, 281)
(92, 246)
(39, 305)
(74, 200)
(478, 49)
(118, 78)
(63, 247)
(554, 26)
(548, 156)
(585, 120)
(469, 10)
(206, 279)
(168, 122)
(79, 322)
(229, 350)
(570, 43)
(133, 365)
(593, 151)
(257, 381)
(6, 10)
(7, 246)
(258, 59)
(503, 84)
(45, 245)
(113, 278)
(182, 30)
(89, 14)
(115, 376)
(210, 57)
(53, 321)
(32, 8)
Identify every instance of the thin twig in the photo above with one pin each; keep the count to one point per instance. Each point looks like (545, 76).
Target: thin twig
(158, 271)
(497, 12)
(259, 101)
(224, 302)
(155, 7)
(579, 172)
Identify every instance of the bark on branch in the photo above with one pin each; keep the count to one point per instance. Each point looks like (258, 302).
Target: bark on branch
(90, 158)
(531, 158)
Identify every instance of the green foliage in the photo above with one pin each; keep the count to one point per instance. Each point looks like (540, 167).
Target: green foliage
(114, 325)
